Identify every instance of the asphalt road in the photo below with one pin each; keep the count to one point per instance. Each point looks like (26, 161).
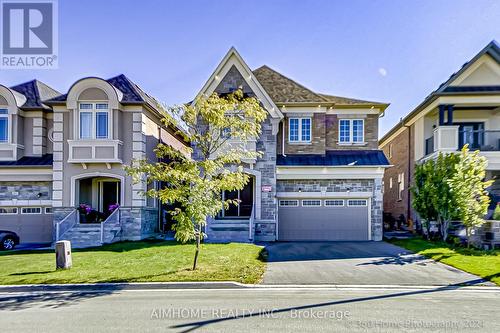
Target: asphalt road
(433, 309)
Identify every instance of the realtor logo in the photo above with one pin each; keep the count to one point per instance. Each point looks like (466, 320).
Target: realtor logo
(29, 34)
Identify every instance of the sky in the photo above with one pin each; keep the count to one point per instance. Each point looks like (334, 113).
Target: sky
(395, 51)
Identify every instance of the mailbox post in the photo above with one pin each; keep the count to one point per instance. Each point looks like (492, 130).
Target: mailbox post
(63, 255)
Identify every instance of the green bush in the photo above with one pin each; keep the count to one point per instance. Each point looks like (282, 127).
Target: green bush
(496, 213)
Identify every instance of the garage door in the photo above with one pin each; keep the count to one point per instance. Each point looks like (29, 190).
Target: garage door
(323, 219)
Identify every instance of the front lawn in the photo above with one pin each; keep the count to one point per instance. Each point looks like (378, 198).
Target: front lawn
(136, 262)
(485, 264)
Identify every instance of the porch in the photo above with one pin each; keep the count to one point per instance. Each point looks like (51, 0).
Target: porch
(450, 126)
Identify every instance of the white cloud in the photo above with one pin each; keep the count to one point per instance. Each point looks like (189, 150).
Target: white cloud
(382, 71)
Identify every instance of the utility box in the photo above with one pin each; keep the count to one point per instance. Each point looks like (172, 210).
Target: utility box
(63, 255)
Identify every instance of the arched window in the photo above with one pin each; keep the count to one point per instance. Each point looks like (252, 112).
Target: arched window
(4, 120)
(93, 115)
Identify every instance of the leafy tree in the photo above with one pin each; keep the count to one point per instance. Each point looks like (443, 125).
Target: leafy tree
(218, 128)
(432, 196)
(469, 186)
(423, 191)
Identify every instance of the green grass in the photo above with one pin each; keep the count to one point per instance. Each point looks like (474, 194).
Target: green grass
(143, 261)
(485, 264)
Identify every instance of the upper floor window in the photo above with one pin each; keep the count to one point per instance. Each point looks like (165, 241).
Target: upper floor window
(299, 129)
(4, 125)
(94, 120)
(351, 130)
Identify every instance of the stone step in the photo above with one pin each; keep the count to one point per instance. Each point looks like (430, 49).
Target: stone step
(229, 227)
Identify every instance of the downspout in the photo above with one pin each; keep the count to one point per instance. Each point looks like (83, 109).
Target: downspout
(408, 201)
(283, 139)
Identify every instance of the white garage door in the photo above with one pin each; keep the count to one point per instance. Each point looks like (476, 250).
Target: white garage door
(323, 220)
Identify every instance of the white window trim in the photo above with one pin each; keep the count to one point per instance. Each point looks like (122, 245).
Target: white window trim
(317, 200)
(94, 112)
(45, 210)
(8, 115)
(341, 200)
(349, 201)
(288, 200)
(351, 132)
(300, 119)
(17, 211)
(22, 213)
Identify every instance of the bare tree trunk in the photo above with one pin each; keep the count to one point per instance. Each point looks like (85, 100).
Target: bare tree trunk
(197, 251)
(467, 233)
(445, 226)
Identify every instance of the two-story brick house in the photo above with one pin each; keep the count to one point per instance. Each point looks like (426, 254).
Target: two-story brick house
(59, 151)
(319, 176)
(320, 173)
(462, 110)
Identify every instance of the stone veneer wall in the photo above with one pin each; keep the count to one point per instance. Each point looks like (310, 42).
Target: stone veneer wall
(138, 222)
(343, 185)
(25, 190)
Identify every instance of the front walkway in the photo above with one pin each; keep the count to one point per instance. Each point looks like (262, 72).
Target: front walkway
(357, 263)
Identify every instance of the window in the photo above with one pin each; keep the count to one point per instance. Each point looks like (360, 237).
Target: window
(48, 210)
(8, 210)
(390, 182)
(334, 203)
(4, 125)
(357, 202)
(299, 130)
(311, 203)
(31, 210)
(390, 150)
(401, 185)
(94, 120)
(289, 203)
(351, 131)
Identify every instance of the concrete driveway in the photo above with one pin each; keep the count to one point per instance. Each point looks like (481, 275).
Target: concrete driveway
(357, 263)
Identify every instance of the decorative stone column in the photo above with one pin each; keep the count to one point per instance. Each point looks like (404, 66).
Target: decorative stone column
(138, 152)
(57, 166)
(39, 136)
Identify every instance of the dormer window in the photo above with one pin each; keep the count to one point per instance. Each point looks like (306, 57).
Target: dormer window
(4, 125)
(94, 121)
(299, 129)
(351, 131)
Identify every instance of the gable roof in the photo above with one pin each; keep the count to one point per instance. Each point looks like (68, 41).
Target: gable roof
(233, 58)
(35, 92)
(285, 90)
(492, 49)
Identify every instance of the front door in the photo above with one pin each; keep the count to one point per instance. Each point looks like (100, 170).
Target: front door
(109, 194)
(245, 197)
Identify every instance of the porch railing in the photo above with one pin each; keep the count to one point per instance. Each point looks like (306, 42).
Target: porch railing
(484, 140)
(113, 218)
(250, 223)
(66, 223)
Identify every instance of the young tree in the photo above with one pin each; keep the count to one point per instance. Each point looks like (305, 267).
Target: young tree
(469, 186)
(422, 192)
(432, 196)
(445, 198)
(219, 128)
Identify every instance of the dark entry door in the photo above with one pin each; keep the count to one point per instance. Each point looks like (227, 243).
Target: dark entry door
(110, 195)
(245, 196)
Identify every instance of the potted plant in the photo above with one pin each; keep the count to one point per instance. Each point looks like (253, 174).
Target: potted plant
(84, 211)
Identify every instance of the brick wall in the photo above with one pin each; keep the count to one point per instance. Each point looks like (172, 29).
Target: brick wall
(325, 134)
(402, 160)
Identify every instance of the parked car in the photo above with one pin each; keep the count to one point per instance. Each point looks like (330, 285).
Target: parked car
(9, 240)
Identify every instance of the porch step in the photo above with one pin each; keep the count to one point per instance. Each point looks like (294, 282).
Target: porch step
(224, 231)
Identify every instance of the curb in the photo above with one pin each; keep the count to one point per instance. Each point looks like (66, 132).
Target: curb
(227, 285)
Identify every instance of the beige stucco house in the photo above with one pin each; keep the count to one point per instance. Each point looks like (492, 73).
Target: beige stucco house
(64, 150)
